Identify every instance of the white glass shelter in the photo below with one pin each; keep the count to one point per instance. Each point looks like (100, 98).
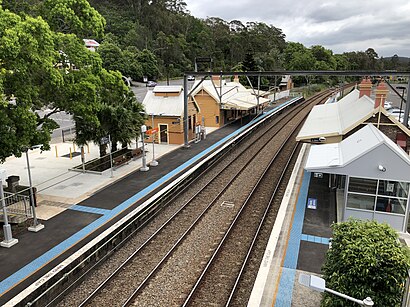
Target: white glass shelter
(377, 185)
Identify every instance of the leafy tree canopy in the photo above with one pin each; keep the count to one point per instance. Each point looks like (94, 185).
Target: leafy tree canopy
(366, 259)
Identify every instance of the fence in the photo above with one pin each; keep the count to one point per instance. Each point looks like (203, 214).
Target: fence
(18, 204)
(279, 95)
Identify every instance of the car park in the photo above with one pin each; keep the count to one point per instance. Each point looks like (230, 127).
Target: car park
(151, 84)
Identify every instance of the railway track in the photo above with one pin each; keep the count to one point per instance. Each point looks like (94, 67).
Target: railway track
(160, 271)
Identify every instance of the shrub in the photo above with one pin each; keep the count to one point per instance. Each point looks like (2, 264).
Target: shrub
(366, 259)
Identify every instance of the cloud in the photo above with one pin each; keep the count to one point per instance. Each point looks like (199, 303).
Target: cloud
(348, 25)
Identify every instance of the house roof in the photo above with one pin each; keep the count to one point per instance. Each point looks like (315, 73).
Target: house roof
(234, 95)
(168, 89)
(90, 43)
(360, 155)
(336, 119)
(165, 105)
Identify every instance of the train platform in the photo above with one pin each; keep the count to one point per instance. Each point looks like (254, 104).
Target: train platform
(302, 236)
(298, 242)
(77, 207)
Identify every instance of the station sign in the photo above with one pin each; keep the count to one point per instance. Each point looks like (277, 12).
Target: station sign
(152, 131)
(312, 203)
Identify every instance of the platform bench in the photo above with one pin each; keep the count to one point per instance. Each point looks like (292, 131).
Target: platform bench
(120, 160)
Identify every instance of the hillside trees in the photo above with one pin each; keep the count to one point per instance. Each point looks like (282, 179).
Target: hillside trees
(73, 16)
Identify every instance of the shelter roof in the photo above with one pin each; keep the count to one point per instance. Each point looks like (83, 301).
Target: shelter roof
(360, 155)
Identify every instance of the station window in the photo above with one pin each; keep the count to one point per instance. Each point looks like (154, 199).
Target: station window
(358, 201)
(378, 195)
(217, 119)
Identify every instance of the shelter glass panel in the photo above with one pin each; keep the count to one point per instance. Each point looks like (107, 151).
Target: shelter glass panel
(393, 205)
(363, 202)
(393, 188)
(362, 185)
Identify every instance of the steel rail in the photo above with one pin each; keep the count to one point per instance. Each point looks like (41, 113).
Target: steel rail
(133, 255)
(245, 262)
(238, 215)
(353, 73)
(169, 253)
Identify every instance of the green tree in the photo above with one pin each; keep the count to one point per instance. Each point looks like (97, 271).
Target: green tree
(119, 114)
(149, 64)
(40, 69)
(73, 16)
(26, 76)
(112, 56)
(366, 259)
(373, 56)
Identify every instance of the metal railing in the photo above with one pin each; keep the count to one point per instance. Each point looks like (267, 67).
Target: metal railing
(18, 204)
(406, 296)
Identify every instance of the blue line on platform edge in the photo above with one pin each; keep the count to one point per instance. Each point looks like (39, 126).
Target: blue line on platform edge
(42, 260)
(284, 295)
(315, 239)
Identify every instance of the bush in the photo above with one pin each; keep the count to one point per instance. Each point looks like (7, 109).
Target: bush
(366, 259)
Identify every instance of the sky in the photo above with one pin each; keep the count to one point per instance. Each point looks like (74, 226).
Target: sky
(342, 26)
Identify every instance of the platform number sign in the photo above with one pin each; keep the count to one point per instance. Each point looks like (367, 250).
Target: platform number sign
(312, 203)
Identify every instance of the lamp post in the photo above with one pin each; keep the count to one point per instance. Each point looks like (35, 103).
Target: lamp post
(144, 167)
(403, 88)
(8, 241)
(36, 225)
(109, 141)
(153, 162)
(319, 284)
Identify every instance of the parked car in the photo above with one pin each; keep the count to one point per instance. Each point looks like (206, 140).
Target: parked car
(151, 84)
(190, 78)
(396, 112)
(388, 105)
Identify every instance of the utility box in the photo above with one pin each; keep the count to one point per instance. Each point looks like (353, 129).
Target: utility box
(12, 183)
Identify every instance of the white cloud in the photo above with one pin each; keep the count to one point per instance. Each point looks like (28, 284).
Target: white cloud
(348, 25)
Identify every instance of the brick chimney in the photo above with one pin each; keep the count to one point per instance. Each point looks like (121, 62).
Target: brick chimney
(236, 78)
(365, 87)
(381, 94)
(216, 80)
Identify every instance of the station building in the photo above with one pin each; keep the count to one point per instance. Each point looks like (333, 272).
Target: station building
(373, 176)
(365, 151)
(164, 106)
(222, 102)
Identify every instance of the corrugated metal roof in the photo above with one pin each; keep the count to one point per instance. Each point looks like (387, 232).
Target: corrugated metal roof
(234, 95)
(165, 106)
(357, 148)
(336, 118)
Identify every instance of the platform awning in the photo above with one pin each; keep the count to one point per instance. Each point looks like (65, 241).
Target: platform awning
(336, 119)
